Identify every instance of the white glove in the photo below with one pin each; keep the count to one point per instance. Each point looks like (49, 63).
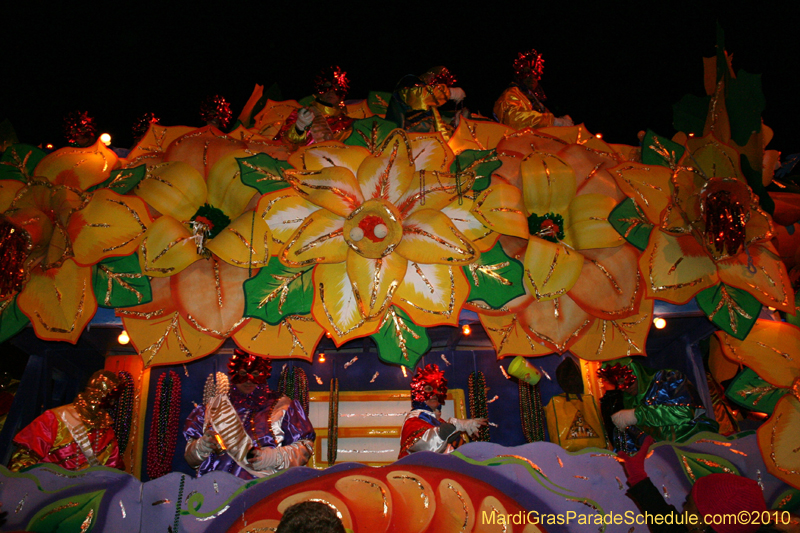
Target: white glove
(457, 94)
(205, 445)
(566, 120)
(265, 459)
(470, 426)
(304, 119)
(624, 418)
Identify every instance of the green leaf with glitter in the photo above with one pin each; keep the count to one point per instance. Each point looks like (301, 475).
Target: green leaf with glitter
(400, 341)
(18, 162)
(658, 150)
(119, 282)
(76, 513)
(495, 278)
(732, 310)
(263, 172)
(697, 465)
(370, 132)
(123, 181)
(481, 162)
(378, 102)
(11, 319)
(631, 223)
(278, 291)
(753, 393)
(788, 500)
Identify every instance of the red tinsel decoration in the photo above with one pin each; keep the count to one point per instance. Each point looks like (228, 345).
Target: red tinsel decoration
(215, 109)
(620, 375)
(438, 75)
(164, 425)
(80, 128)
(332, 77)
(245, 366)
(725, 222)
(142, 124)
(529, 63)
(15, 245)
(430, 375)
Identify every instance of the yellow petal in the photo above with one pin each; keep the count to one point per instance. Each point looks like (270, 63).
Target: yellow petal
(390, 172)
(59, 302)
(245, 242)
(8, 191)
(469, 225)
(202, 148)
(110, 225)
(550, 269)
(328, 154)
(509, 338)
(432, 294)
(721, 368)
(209, 295)
(167, 248)
(157, 139)
(587, 225)
(432, 190)
(175, 189)
(778, 438)
(557, 324)
(477, 135)
(283, 211)
(610, 339)
(430, 151)
(333, 188)
(375, 281)
(675, 269)
(318, 240)
(715, 158)
(336, 307)
(769, 284)
(430, 237)
(226, 191)
(649, 186)
(79, 168)
(295, 337)
(771, 349)
(610, 285)
(500, 208)
(169, 340)
(548, 184)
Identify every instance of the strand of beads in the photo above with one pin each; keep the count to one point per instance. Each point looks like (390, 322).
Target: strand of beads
(531, 412)
(166, 418)
(123, 412)
(333, 422)
(477, 402)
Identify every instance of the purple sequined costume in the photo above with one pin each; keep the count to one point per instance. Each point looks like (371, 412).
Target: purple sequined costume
(271, 420)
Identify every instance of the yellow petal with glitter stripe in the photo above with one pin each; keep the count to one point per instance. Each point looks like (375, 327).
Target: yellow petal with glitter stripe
(79, 168)
(294, 337)
(245, 242)
(778, 438)
(548, 184)
(333, 188)
(430, 237)
(169, 340)
(769, 283)
(587, 225)
(336, 307)
(226, 191)
(610, 339)
(432, 294)
(328, 154)
(167, 248)
(389, 173)
(550, 269)
(175, 189)
(375, 280)
(771, 349)
(319, 239)
(500, 207)
(283, 211)
(649, 186)
(676, 268)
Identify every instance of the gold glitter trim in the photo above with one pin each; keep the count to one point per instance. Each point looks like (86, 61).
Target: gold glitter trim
(423, 495)
(78, 313)
(463, 505)
(57, 509)
(383, 493)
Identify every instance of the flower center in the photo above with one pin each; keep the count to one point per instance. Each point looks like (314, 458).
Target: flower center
(15, 244)
(210, 220)
(549, 227)
(724, 204)
(373, 229)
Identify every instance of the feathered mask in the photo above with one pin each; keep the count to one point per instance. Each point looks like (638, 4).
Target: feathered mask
(432, 377)
(245, 367)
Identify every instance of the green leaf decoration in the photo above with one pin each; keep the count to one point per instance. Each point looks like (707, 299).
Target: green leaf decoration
(658, 150)
(119, 282)
(754, 180)
(18, 162)
(399, 340)
(378, 102)
(278, 291)
(306, 100)
(751, 392)
(370, 132)
(495, 278)
(732, 310)
(124, 180)
(689, 114)
(263, 172)
(631, 223)
(788, 500)
(481, 162)
(795, 318)
(745, 103)
(73, 514)
(697, 465)
(11, 319)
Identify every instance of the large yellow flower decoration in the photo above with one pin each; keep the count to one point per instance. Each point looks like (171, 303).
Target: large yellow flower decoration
(373, 225)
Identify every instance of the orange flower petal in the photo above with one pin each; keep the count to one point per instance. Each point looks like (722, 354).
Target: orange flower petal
(771, 349)
(550, 269)
(557, 324)
(610, 339)
(509, 338)
(500, 208)
(388, 174)
(167, 248)
(245, 242)
(79, 168)
(675, 269)
(202, 148)
(649, 186)
(778, 438)
(333, 188)
(328, 154)
(477, 135)
(295, 337)
(336, 307)
(610, 285)
(769, 284)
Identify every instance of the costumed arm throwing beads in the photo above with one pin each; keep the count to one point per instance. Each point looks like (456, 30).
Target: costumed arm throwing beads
(423, 428)
(74, 436)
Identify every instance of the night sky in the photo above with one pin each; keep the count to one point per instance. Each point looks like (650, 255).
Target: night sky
(617, 66)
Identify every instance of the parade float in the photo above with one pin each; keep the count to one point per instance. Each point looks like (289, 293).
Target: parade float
(349, 264)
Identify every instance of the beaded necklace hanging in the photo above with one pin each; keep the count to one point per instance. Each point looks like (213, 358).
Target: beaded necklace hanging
(477, 403)
(294, 384)
(333, 422)
(531, 412)
(164, 425)
(123, 410)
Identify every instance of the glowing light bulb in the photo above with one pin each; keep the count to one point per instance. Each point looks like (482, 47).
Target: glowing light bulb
(49, 146)
(321, 357)
(771, 308)
(465, 329)
(123, 337)
(105, 138)
(599, 135)
(659, 323)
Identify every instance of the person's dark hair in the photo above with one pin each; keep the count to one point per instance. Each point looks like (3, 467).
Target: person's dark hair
(310, 517)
